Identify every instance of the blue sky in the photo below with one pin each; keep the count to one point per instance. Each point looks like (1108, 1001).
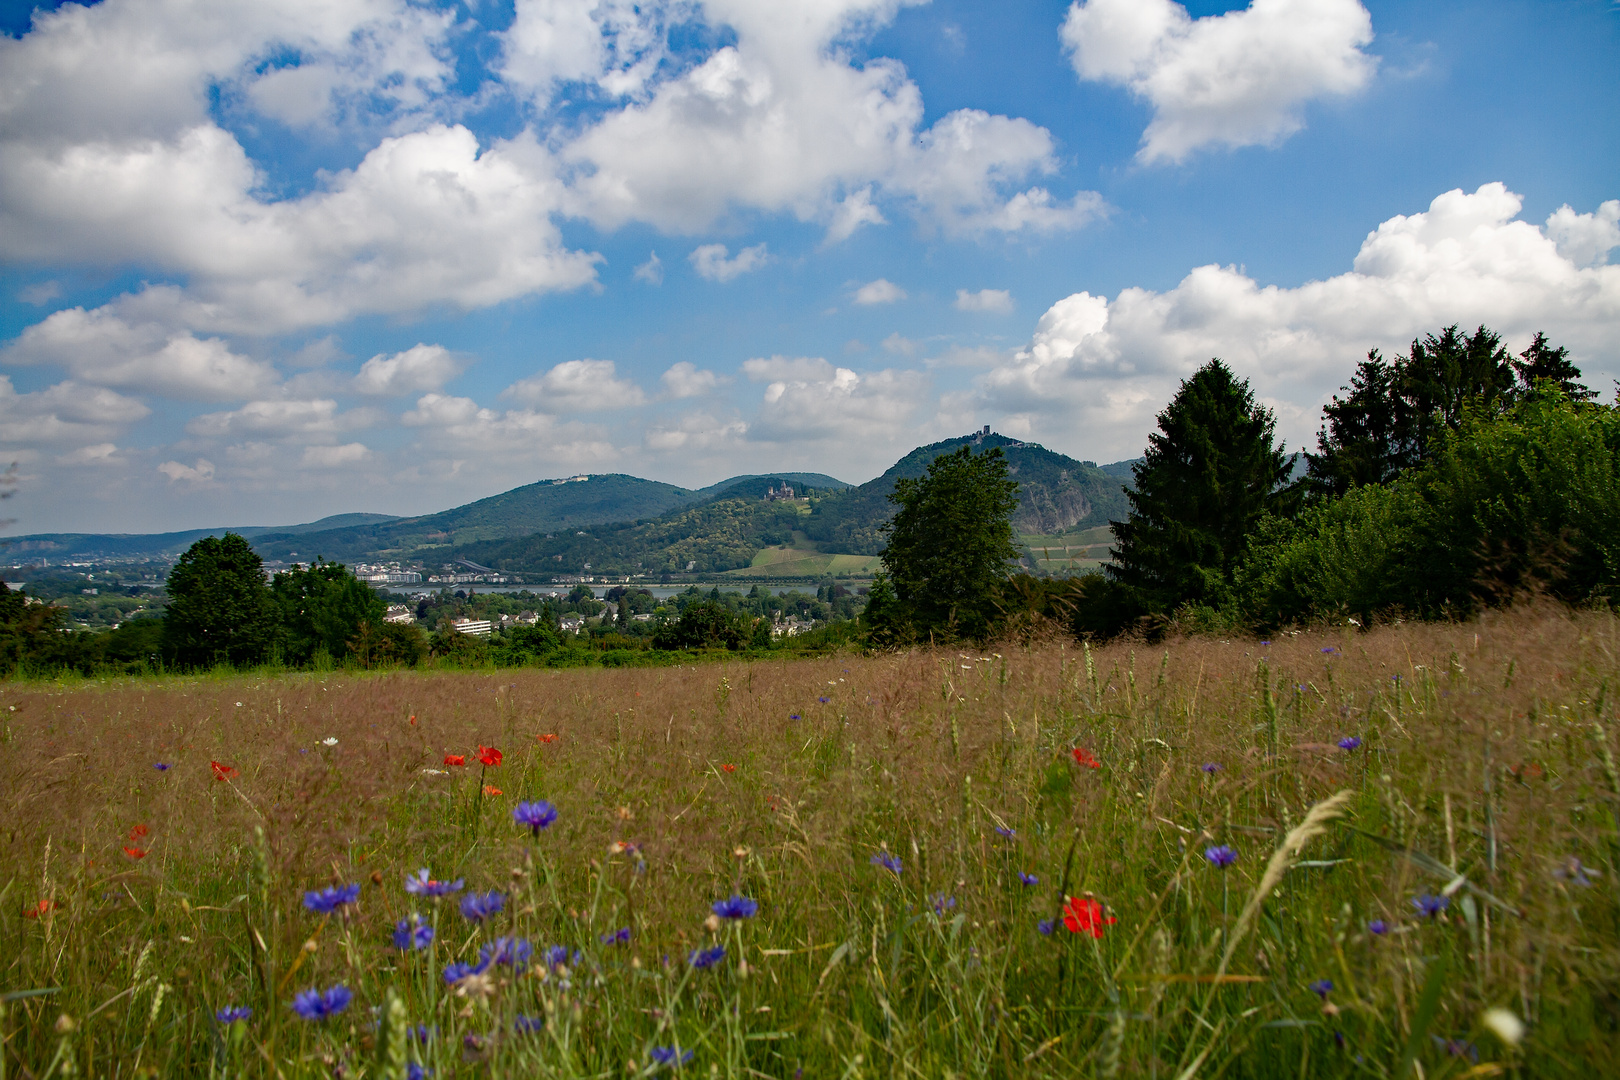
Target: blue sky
(265, 261)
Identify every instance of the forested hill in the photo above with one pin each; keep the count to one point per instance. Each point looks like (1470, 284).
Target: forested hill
(1055, 492)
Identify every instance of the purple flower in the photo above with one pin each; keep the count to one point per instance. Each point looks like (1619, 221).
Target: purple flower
(161, 766)
(1330, 649)
(1210, 767)
(1265, 643)
(1378, 927)
(232, 1013)
(512, 952)
(413, 1071)
(1006, 832)
(536, 815)
(1221, 855)
(1430, 906)
(1321, 988)
(558, 955)
(419, 884)
(617, 937)
(1575, 873)
(794, 716)
(480, 906)
(823, 700)
(1044, 927)
(941, 903)
(1028, 880)
(887, 861)
(331, 899)
(454, 973)
(318, 1004)
(1350, 742)
(528, 1025)
(412, 933)
(706, 958)
(736, 907)
(669, 1055)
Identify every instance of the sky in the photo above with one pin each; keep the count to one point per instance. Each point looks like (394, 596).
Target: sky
(267, 260)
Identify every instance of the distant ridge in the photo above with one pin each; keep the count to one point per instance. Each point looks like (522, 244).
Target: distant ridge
(129, 545)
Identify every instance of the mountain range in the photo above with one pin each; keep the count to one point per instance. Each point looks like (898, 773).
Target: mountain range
(614, 523)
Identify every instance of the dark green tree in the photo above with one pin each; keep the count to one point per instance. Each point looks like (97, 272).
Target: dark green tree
(1543, 362)
(27, 629)
(321, 608)
(1362, 432)
(707, 624)
(219, 606)
(1211, 473)
(950, 543)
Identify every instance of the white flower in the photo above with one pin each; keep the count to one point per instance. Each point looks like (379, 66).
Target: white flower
(1506, 1026)
(330, 740)
(434, 772)
(238, 704)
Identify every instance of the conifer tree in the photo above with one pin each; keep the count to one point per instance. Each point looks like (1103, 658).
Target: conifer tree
(219, 605)
(1210, 474)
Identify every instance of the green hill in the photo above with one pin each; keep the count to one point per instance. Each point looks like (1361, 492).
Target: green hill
(136, 545)
(745, 486)
(1055, 493)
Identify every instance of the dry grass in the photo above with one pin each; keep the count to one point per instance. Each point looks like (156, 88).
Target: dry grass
(1487, 751)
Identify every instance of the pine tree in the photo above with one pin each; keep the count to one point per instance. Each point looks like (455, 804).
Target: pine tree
(219, 606)
(1542, 361)
(951, 542)
(1210, 474)
(1362, 433)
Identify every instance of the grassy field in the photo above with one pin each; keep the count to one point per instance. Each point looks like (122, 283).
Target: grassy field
(1071, 552)
(1001, 863)
(804, 559)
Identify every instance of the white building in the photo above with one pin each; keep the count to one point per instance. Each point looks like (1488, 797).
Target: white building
(399, 613)
(479, 627)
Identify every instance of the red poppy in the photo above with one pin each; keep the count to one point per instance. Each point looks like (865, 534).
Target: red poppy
(729, 768)
(1084, 915)
(455, 759)
(222, 771)
(548, 738)
(135, 853)
(491, 789)
(36, 912)
(138, 831)
(1083, 756)
(413, 720)
(489, 755)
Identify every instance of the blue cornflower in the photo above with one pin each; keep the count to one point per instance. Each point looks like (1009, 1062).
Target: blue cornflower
(1265, 643)
(1210, 767)
(413, 1071)
(421, 1033)
(318, 1004)
(557, 955)
(412, 933)
(1044, 927)
(331, 898)
(454, 973)
(793, 716)
(1006, 832)
(669, 1055)
(887, 861)
(1350, 742)
(232, 1013)
(1378, 927)
(823, 700)
(513, 952)
(705, 958)
(419, 884)
(480, 906)
(528, 1024)
(941, 903)
(617, 937)
(1028, 880)
(1431, 906)
(536, 815)
(1330, 649)
(161, 766)
(736, 907)
(1221, 855)
(1321, 988)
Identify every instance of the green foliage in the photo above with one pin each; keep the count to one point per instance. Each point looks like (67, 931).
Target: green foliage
(321, 608)
(1210, 475)
(26, 629)
(707, 625)
(524, 646)
(951, 542)
(220, 610)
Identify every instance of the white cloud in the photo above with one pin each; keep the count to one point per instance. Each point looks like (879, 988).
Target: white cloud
(686, 380)
(576, 386)
(42, 293)
(99, 454)
(100, 347)
(281, 419)
(459, 427)
(615, 44)
(422, 367)
(1106, 367)
(881, 291)
(335, 457)
(1237, 79)
(994, 301)
(808, 400)
(651, 271)
(710, 261)
(696, 433)
(1586, 239)
(900, 345)
(65, 414)
(200, 473)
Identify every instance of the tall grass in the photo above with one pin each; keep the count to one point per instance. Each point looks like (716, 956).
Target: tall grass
(1484, 780)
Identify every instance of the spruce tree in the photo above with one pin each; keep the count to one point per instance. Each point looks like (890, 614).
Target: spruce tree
(219, 605)
(1210, 474)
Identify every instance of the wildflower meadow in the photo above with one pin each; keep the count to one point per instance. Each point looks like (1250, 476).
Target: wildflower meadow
(1386, 853)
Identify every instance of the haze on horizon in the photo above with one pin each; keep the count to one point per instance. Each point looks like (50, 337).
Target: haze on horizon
(262, 262)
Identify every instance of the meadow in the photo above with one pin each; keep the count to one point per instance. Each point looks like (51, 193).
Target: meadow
(1383, 853)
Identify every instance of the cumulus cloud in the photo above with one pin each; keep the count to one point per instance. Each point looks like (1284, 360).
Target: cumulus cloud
(1106, 367)
(696, 432)
(65, 414)
(809, 400)
(575, 386)
(1586, 239)
(335, 457)
(422, 367)
(100, 454)
(994, 301)
(651, 271)
(41, 293)
(281, 419)
(202, 472)
(711, 261)
(881, 291)
(686, 380)
(459, 427)
(1238, 79)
